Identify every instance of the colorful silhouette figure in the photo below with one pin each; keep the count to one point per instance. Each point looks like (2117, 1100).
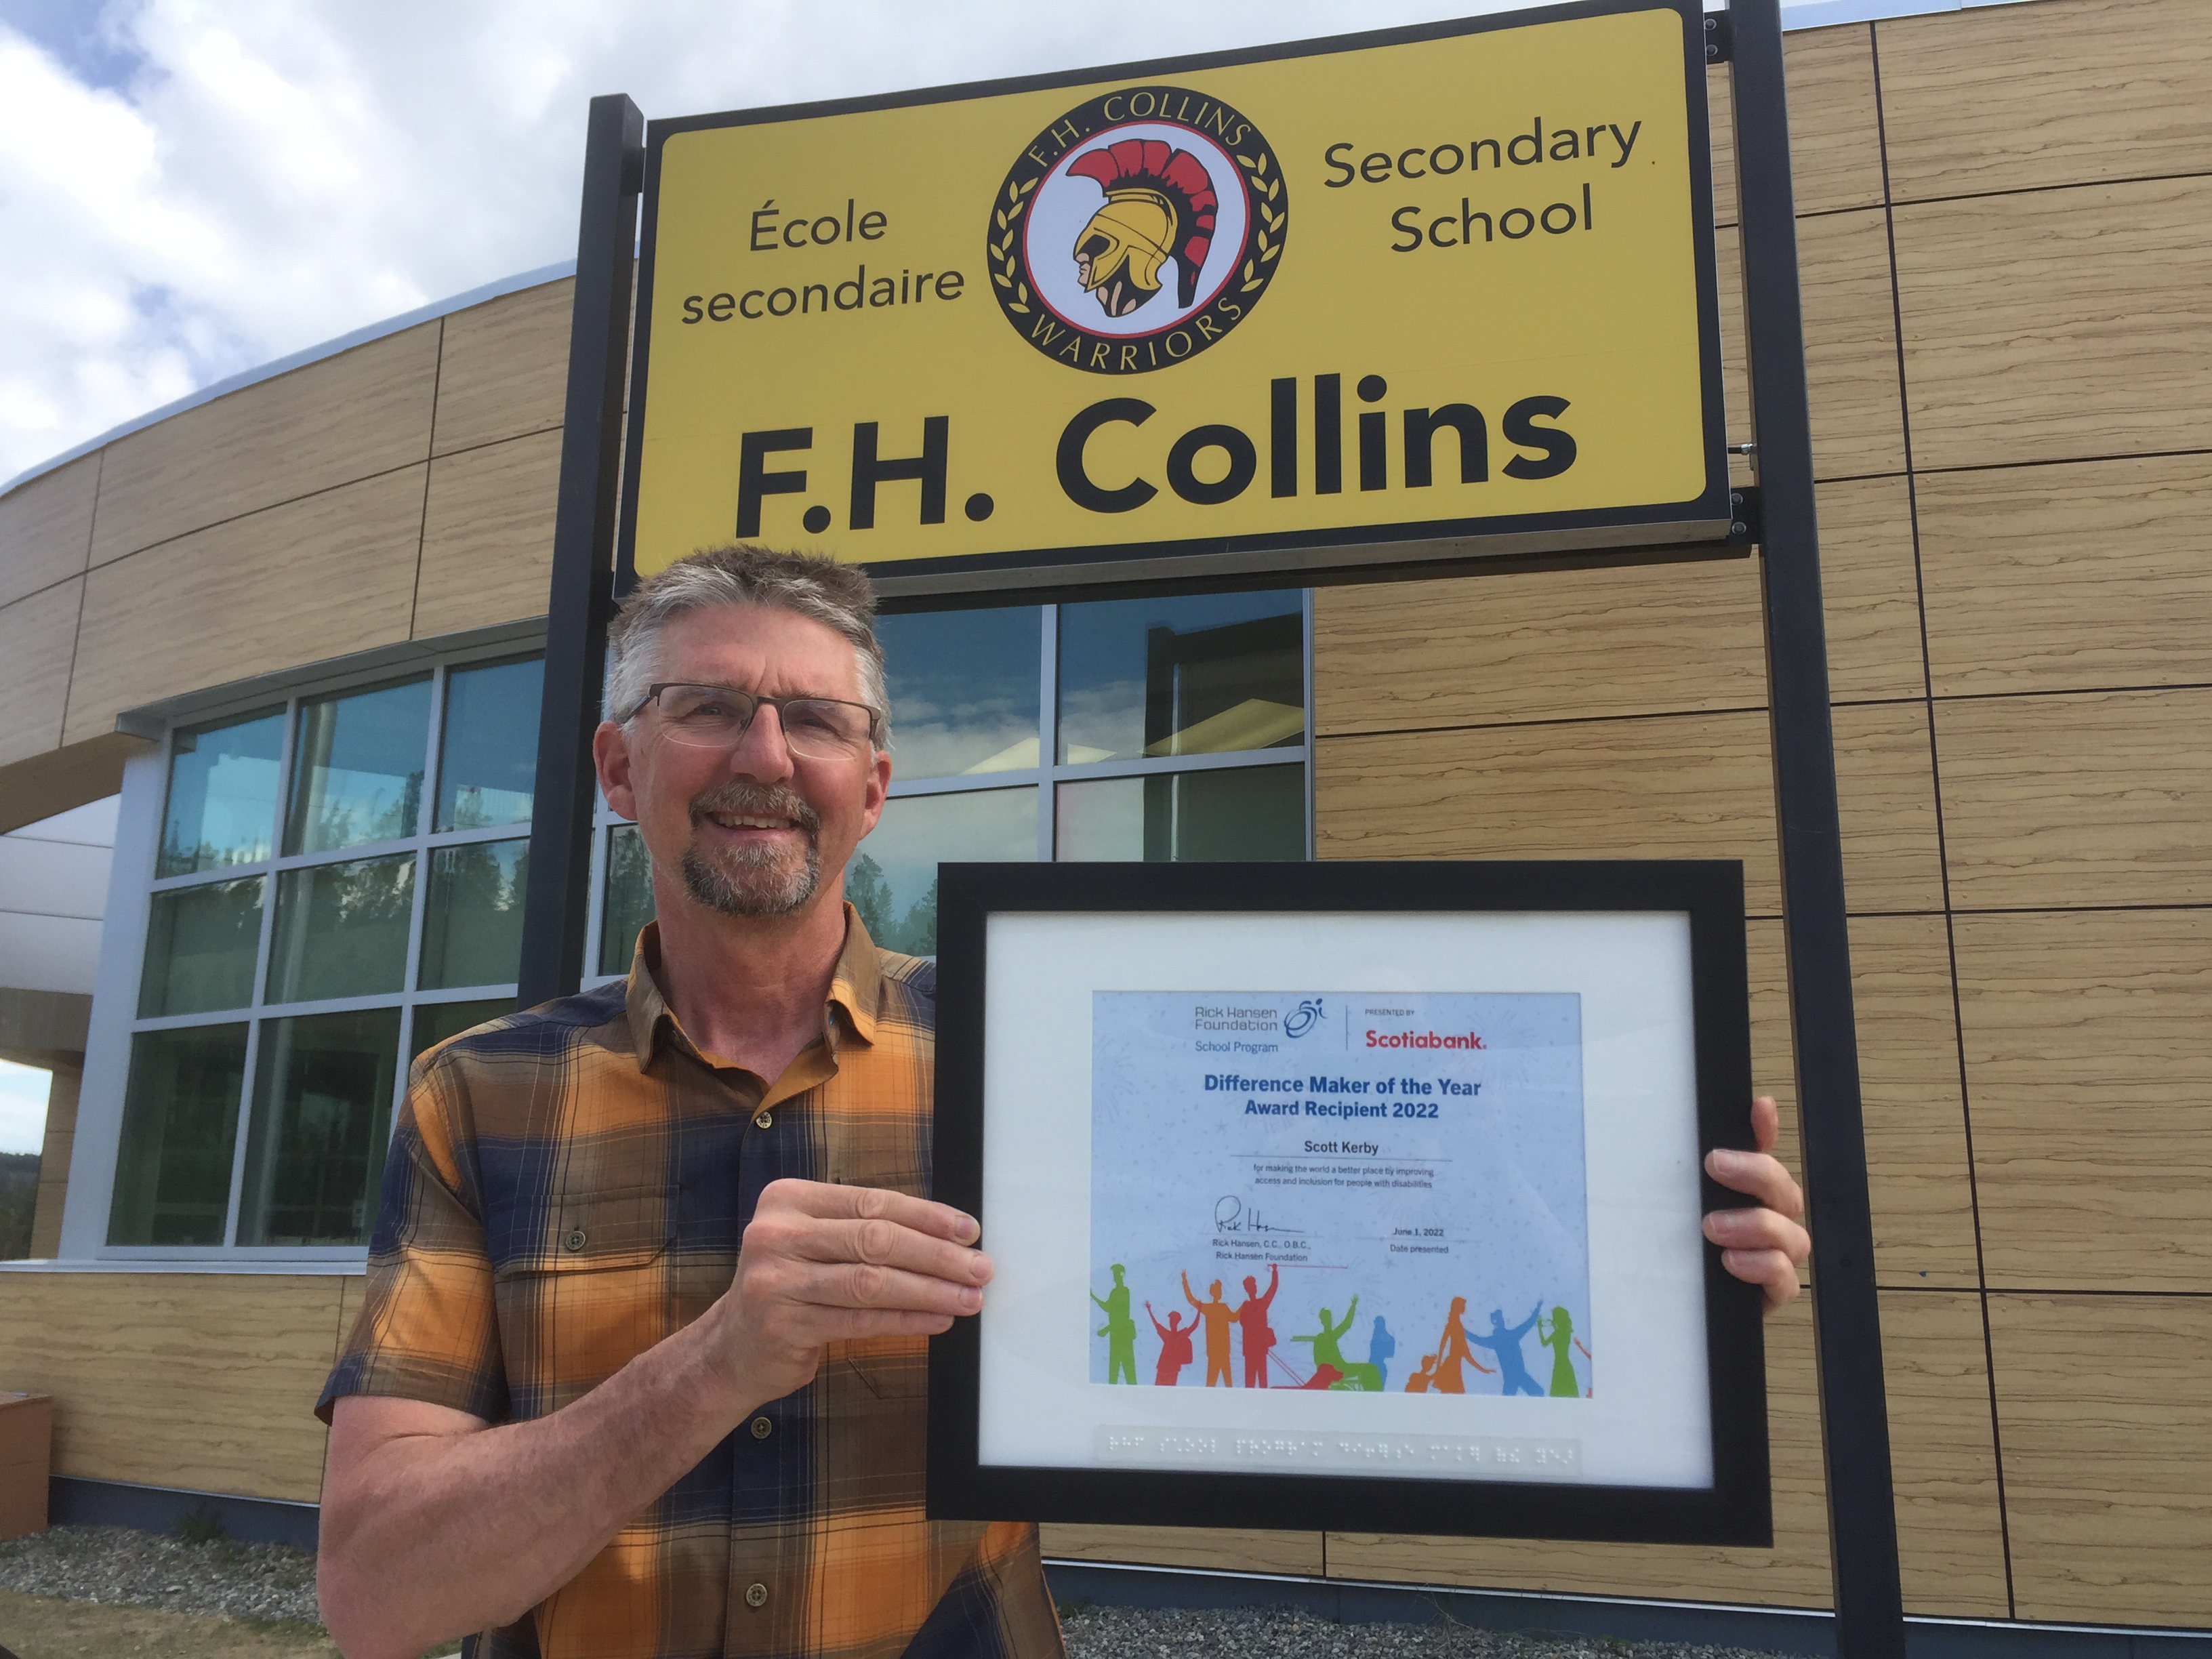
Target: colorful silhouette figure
(1214, 1313)
(1558, 1339)
(1420, 1381)
(1175, 1347)
(1452, 1352)
(1252, 1320)
(1328, 1356)
(1120, 1331)
(1324, 1376)
(1513, 1374)
(1380, 1347)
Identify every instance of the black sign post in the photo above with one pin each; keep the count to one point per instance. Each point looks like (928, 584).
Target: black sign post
(556, 903)
(1846, 1315)
(1863, 1525)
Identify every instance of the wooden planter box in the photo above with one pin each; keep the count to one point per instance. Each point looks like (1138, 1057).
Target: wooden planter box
(26, 1445)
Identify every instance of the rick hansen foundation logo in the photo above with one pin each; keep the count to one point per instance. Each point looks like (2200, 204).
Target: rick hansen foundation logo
(1137, 230)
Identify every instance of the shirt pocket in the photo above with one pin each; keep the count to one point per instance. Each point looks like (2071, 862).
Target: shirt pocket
(874, 1403)
(587, 1295)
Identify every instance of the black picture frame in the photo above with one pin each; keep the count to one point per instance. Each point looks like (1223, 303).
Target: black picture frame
(1735, 1510)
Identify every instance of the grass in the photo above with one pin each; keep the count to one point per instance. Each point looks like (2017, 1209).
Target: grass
(46, 1627)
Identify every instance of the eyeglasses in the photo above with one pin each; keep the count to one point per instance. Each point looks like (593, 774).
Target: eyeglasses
(717, 716)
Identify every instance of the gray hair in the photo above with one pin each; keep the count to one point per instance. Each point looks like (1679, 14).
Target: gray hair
(838, 595)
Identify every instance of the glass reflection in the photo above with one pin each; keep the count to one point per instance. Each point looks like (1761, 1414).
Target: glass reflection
(892, 879)
(963, 688)
(222, 794)
(1181, 677)
(179, 1124)
(472, 926)
(342, 929)
(358, 776)
(437, 1022)
(628, 899)
(201, 943)
(322, 1112)
(488, 763)
(1240, 812)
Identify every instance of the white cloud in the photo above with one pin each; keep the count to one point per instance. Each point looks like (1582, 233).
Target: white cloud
(190, 188)
(22, 1106)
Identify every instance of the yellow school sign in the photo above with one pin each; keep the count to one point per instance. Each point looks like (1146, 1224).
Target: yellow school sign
(1446, 291)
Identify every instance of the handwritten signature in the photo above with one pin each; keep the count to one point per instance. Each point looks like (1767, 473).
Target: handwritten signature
(1229, 1216)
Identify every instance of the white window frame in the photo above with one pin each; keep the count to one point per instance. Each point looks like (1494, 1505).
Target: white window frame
(132, 887)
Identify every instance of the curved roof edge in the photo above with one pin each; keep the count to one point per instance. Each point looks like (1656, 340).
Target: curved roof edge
(300, 360)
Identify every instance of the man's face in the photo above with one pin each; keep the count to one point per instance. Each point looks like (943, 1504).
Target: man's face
(753, 829)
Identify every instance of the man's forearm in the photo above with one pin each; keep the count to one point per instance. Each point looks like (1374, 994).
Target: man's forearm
(435, 1535)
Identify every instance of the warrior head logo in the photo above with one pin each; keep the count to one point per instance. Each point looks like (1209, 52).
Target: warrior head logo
(1190, 185)
(1159, 204)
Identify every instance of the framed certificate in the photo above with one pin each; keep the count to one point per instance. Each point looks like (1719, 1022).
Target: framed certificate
(1348, 1196)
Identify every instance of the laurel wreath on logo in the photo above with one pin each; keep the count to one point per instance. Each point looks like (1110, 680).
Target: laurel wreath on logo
(1268, 239)
(1004, 270)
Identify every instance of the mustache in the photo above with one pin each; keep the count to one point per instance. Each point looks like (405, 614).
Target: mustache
(756, 800)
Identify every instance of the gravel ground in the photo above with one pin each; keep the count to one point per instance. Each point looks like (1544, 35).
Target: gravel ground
(1286, 1633)
(119, 1566)
(116, 1565)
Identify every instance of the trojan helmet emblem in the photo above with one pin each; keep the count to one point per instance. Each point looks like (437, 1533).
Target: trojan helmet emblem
(1190, 185)
(1159, 204)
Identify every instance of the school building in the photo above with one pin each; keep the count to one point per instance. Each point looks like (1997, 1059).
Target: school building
(282, 640)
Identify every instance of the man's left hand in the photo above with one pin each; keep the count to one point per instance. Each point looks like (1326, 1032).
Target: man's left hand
(1762, 1244)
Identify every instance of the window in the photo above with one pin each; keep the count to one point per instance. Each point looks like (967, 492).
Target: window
(336, 880)
(338, 884)
(1139, 729)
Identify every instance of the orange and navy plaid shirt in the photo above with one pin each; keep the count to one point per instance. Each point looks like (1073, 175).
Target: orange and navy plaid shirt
(568, 1187)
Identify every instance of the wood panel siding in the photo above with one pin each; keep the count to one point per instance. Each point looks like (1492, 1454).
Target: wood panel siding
(2086, 798)
(1549, 645)
(2070, 577)
(1851, 343)
(363, 412)
(59, 779)
(2058, 325)
(1867, 586)
(1886, 781)
(1943, 1459)
(2105, 1411)
(2025, 97)
(203, 1380)
(295, 583)
(1835, 125)
(1918, 1174)
(503, 370)
(2089, 1056)
(45, 529)
(38, 642)
(488, 535)
(1685, 785)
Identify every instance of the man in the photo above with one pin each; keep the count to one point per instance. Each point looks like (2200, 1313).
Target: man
(1120, 1330)
(573, 1412)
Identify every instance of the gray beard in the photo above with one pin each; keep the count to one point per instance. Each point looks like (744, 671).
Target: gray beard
(761, 882)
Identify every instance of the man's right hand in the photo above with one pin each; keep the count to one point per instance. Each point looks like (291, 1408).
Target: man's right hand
(820, 1263)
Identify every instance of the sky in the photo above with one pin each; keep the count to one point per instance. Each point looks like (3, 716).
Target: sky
(189, 188)
(22, 1106)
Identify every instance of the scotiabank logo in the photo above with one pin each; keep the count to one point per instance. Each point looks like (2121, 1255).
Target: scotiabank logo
(1422, 1039)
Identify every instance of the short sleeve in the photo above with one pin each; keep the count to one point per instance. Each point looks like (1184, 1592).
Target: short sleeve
(428, 1327)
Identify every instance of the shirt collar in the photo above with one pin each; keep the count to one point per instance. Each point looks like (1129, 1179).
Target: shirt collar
(855, 990)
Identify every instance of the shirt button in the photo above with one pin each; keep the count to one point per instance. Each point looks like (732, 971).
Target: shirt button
(762, 1428)
(764, 1120)
(756, 1596)
(575, 1240)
